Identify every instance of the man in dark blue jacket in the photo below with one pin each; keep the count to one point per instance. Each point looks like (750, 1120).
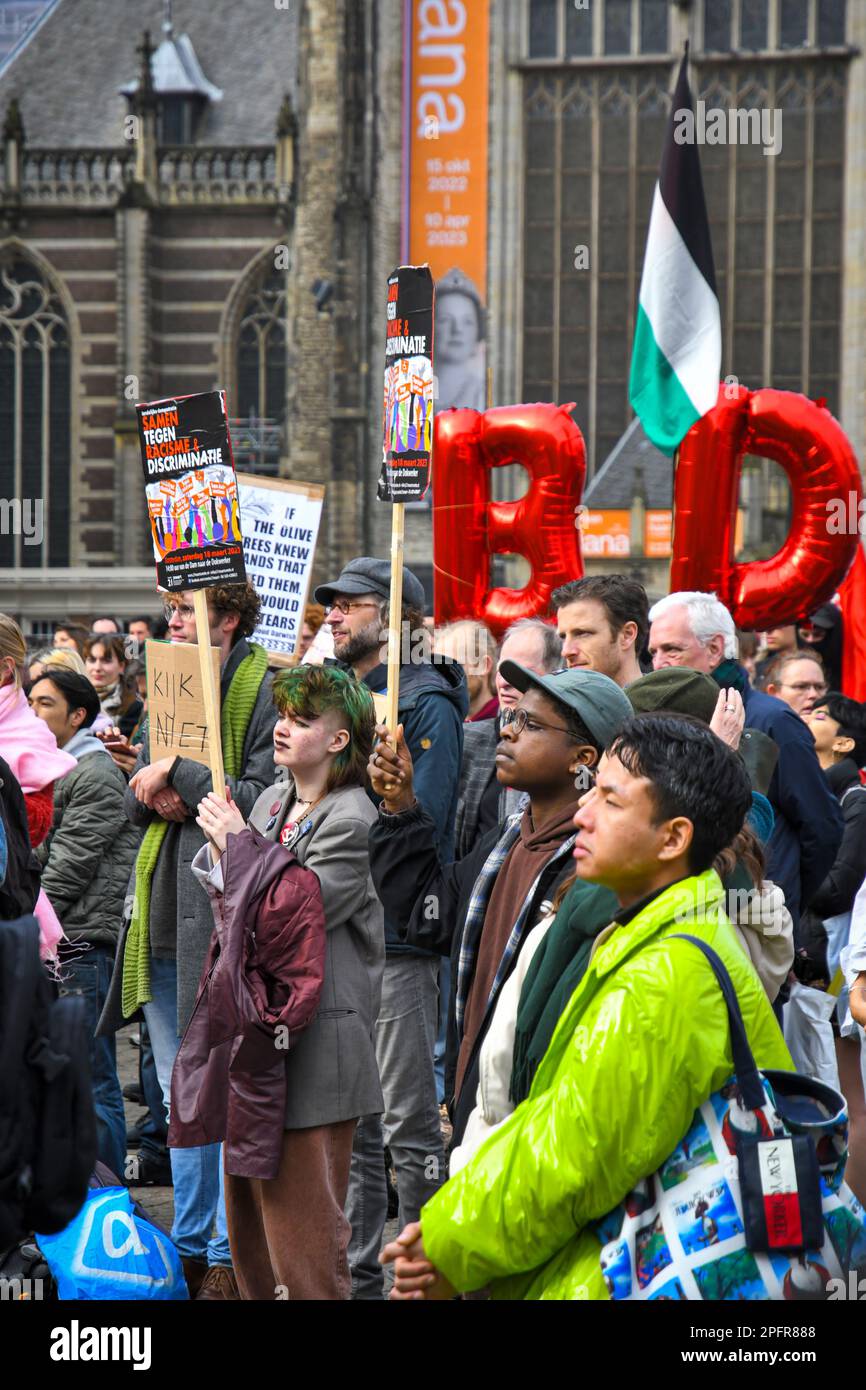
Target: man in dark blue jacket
(696, 630)
(432, 704)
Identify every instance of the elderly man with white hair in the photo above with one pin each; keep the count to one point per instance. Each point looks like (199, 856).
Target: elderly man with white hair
(696, 630)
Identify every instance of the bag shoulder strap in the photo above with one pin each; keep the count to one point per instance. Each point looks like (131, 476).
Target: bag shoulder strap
(749, 1082)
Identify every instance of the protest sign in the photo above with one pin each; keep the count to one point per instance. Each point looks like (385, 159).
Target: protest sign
(407, 403)
(407, 429)
(192, 499)
(178, 723)
(281, 525)
(189, 471)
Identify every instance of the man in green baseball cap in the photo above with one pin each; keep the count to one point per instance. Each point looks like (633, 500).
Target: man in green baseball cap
(602, 710)
(481, 909)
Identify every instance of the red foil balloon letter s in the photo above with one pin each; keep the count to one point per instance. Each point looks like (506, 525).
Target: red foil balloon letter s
(468, 527)
(809, 444)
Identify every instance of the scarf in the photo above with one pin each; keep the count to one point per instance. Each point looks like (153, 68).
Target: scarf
(761, 817)
(731, 673)
(28, 744)
(31, 751)
(474, 919)
(237, 712)
(555, 972)
(111, 698)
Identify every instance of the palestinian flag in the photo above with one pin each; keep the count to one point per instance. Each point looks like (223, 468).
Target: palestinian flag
(677, 354)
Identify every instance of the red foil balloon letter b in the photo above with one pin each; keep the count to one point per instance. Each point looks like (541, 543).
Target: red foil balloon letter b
(468, 527)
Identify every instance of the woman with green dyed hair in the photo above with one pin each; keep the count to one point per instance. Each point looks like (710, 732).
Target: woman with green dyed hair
(288, 1234)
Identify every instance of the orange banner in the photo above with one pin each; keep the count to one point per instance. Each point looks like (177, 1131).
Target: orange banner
(445, 183)
(606, 534)
(658, 535)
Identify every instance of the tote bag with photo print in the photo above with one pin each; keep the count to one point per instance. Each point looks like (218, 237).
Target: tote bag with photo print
(751, 1203)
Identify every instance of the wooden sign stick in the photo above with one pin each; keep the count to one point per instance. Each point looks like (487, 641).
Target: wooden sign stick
(395, 616)
(215, 748)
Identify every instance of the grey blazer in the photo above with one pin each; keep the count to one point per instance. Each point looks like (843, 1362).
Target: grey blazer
(332, 1071)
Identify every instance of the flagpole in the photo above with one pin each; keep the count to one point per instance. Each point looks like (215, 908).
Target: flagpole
(676, 459)
(395, 625)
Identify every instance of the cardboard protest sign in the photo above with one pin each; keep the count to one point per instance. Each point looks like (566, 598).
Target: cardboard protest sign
(407, 403)
(178, 726)
(192, 497)
(281, 525)
(407, 431)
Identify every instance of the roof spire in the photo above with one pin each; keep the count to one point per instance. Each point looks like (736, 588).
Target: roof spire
(145, 50)
(170, 70)
(13, 126)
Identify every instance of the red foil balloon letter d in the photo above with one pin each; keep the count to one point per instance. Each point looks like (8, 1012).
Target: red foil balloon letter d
(801, 436)
(468, 527)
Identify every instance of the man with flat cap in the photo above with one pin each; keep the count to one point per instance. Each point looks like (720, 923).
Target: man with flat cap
(433, 702)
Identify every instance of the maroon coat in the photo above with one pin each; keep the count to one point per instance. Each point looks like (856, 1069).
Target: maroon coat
(263, 973)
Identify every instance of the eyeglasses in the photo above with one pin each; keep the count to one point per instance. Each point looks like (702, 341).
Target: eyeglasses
(818, 686)
(183, 610)
(518, 720)
(344, 607)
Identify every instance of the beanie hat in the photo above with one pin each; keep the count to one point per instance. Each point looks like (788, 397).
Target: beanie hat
(675, 688)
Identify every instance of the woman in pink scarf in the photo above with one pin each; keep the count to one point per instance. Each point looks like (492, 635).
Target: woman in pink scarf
(31, 751)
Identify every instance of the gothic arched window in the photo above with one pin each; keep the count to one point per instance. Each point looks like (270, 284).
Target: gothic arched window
(35, 398)
(260, 401)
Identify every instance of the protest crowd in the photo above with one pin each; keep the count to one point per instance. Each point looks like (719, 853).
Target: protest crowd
(457, 976)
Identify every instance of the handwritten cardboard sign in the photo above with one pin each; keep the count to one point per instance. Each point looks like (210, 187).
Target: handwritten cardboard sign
(177, 724)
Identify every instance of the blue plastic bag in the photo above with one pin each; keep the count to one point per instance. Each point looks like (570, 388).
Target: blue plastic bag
(108, 1252)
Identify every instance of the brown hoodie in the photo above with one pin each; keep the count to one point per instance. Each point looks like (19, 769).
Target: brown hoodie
(525, 861)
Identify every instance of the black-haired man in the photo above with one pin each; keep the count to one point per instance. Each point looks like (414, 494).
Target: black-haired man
(104, 624)
(838, 725)
(643, 1041)
(141, 629)
(603, 623)
(668, 797)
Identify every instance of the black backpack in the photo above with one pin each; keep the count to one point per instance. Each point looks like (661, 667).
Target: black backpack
(47, 1121)
(20, 887)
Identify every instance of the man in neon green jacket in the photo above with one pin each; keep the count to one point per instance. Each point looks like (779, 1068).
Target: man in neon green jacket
(642, 1042)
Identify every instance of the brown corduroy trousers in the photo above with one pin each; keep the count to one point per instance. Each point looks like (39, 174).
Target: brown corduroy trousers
(288, 1234)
